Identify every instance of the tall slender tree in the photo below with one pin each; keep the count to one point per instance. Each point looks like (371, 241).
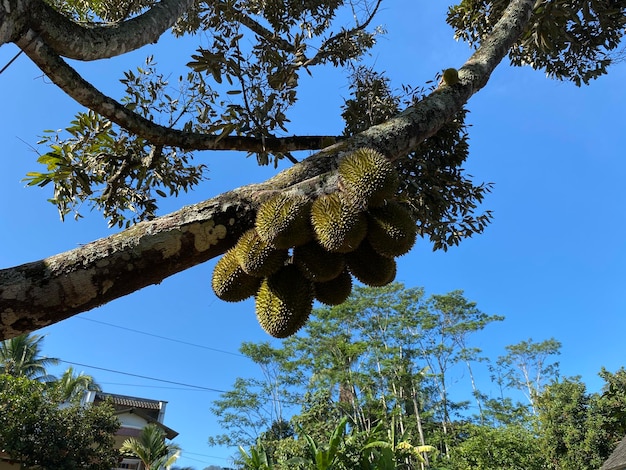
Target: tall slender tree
(528, 366)
(72, 385)
(21, 357)
(150, 447)
(254, 404)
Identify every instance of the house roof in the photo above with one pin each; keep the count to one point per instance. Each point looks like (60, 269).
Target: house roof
(617, 460)
(131, 402)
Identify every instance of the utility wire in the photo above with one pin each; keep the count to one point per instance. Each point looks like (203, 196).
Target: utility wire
(163, 337)
(149, 386)
(205, 455)
(199, 387)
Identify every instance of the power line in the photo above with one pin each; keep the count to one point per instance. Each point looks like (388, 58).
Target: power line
(149, 386)
(163, 337)
(205, 455)
(199, 387)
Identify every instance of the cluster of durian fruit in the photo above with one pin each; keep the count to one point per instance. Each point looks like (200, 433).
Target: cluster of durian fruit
(301, 250)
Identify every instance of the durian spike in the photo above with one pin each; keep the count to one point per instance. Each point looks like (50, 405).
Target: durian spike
(339, 227)
(283, 220)
(369, 267)
(230, 283)
(256, 257)
(391, 229)
(335, 291)
(316, 263)
(367, 178)
(284, 302)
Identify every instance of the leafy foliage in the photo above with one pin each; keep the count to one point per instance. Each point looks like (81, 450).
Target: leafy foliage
(21, 357)
(106, 11)
(37, 432)
(498, 448)
(255, 406)
(325, 457)
(376, 377)
(242, 84)
(150, 447)
(113, 169)
(256, 458)
(570, 40)
(443, 198)
(528, 366)
(72, 385)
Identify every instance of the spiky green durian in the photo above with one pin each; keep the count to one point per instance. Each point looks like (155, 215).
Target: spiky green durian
(338, 226)
(367, 177)
(317, 264)
(283, 220)
(284, 302)
(369, 267)
(230, 282)
(256, 257)
(335, 291)
(391, 230)
(450, 77)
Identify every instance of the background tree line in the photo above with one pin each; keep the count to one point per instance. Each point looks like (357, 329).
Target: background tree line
(394, 379)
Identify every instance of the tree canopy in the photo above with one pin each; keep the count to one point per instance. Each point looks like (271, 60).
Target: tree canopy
(121, 154)
(38, 432)
(21, 357)
(392, 379)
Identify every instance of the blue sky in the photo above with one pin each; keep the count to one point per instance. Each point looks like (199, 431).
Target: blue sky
(553, 262)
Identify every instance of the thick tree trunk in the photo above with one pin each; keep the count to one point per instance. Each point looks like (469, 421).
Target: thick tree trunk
(43, 292)
(47, 291)
(75, 41)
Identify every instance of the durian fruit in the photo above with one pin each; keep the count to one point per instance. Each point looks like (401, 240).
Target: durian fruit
(368, 177)
(370, 267)
(317, 264)
(256, 257)
(391, 230)
(284, 302)
(283, 220)
(339, 227)
(336, 291)
(230, 282)
(450, 77)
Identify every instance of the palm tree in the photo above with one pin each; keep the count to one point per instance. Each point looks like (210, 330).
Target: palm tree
(71, 386)
(151, 449)
(21, 357)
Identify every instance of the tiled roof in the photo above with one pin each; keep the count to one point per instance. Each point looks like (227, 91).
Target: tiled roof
(617, 460)
(131, 402)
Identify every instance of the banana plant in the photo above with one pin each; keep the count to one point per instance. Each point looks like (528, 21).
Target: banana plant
(325, 457)
(256, 459)
(383, 454)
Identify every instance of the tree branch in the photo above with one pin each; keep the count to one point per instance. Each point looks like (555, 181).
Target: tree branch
(43, 292)
(66, 78)
(323, 51)
(79, 42)
(261, 30)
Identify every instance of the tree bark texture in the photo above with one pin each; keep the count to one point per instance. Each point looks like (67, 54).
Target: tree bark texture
(43, 292)
(80, 42)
